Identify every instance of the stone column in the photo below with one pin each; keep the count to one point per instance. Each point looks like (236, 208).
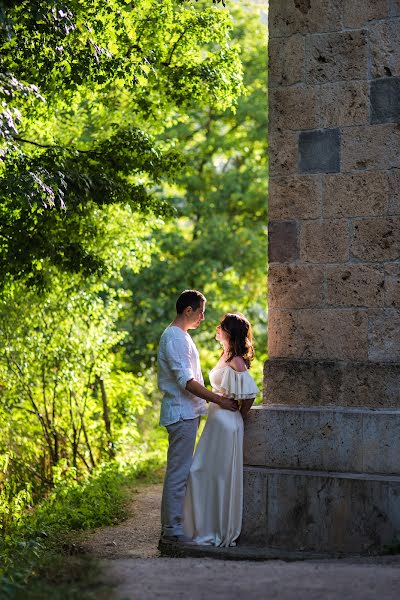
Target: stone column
(322, 454)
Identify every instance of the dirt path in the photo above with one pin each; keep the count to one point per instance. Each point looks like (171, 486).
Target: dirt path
(131, 562)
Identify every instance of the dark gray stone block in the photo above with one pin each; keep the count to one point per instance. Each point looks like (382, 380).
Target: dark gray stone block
(283, 243)
(332, 383)
(385, 100)
(322, 511)
(319, 151)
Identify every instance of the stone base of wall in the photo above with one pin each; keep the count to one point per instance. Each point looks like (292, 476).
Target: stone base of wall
(320, 511)
(335, 383)
(322, 479)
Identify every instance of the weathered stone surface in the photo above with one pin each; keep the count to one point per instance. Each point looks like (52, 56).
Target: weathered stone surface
(254, 524)
(282, 338)
(324, 439)
(385, 100)
(332, 334)
(319, 151)
(332, 383)
(296, 197)
(394, 8)
(286, 61)
(293, 108)
(394, 192)
(321, 511)
(384, 48)
(392, 285)
(381, 441)
(372, 147)
(295, 286)
(384, 335)
(376, 239)
(336, 57)
(340, 334)
(301, 16)
(325, 241)
(355, 194)
(355, 285)
(283, 161)
(358, 13)
(344, 103)
(282, 241)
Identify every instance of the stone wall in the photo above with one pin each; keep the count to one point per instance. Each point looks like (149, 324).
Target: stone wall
(334, 203)
(322, 454)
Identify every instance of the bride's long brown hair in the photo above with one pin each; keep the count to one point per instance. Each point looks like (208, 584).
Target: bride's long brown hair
(240, 337)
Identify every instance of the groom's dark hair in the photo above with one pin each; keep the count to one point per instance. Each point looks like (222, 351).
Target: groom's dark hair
(191, 298)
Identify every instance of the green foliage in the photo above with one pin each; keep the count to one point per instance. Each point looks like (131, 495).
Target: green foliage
(36, 537)
(218, 241)
(83, 91)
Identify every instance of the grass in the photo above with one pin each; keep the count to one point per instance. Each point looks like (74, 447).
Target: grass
(42, 558)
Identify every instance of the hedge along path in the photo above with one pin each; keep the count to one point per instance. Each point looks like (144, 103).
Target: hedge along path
(131, 564)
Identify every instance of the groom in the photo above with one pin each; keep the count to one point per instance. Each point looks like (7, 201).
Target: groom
(184, 401)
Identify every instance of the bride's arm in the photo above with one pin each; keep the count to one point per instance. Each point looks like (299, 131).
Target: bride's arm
(246, 406)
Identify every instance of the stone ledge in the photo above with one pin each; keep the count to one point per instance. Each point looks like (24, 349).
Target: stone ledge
(240, 552)
(332, 383)
(325, 439)
(309, 511)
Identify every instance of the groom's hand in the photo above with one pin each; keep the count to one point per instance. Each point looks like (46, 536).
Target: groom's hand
(226, 403)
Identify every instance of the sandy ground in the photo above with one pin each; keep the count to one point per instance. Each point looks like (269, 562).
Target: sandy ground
(131, 562)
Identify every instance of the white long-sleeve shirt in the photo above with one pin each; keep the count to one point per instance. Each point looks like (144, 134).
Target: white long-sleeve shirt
(178, 362)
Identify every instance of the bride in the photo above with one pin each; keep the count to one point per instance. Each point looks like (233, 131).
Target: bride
(214, 493)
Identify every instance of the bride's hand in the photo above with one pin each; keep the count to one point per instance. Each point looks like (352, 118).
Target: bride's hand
(226, 403)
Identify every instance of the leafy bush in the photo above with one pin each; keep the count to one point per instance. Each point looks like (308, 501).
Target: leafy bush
(36, 536)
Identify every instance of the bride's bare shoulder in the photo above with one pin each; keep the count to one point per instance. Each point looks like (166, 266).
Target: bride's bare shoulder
(238, 364)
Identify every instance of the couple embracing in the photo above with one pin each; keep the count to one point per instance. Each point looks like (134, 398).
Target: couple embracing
(203, 494)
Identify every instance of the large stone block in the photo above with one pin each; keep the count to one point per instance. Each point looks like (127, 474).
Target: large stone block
(282, 338)
(282, 241)
(324, 241)
(254, 526)
(319, 151)
(376, 239)
(284, 151)
(295, 286)
(296, 197)
(332, 334)
(384, 48)
(355, 194)
(392, 285)
(394, 192)
(302, 16)
(385, 100)
(358, 13)
(371, 147)
(351, 109)
(323, 439)
(324, 511)
(334, 57)
(384, 335)
(339, 334)
(355, 285)
(332, 383)
(293, 108)
(286, 61)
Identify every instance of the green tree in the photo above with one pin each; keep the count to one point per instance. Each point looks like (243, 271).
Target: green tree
(84, 89)
(218, 243)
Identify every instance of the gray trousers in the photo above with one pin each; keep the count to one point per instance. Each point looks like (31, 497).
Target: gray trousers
(181, 438)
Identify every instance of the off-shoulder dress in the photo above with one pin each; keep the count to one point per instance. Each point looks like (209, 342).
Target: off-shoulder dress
(214, 493)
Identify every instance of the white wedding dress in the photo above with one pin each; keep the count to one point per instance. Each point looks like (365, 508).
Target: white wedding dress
(214, 493)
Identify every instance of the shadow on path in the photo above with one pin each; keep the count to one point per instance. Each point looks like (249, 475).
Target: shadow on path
(131, 563)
